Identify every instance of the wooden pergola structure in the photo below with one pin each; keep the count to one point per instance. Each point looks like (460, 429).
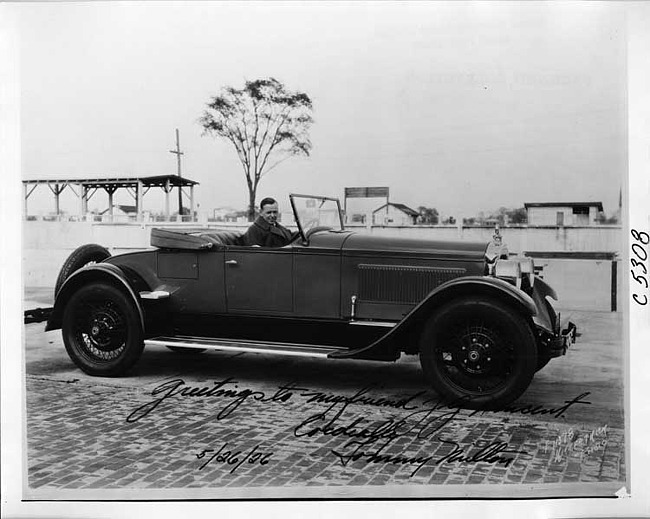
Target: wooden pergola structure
(85, 188)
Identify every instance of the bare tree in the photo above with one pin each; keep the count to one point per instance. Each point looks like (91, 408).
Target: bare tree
(265, 122)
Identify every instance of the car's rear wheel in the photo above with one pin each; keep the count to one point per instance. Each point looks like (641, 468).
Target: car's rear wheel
(80, 257)
(478, 353)
(102, 330)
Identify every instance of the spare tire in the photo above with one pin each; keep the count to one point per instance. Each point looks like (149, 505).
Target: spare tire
(82, 256)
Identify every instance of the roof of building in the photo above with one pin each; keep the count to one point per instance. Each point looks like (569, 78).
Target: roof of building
(404, 208)
(150, 181)
(127, 209)
(599, 205)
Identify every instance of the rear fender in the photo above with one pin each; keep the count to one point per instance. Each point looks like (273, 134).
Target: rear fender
(401, 337)
(108, 272)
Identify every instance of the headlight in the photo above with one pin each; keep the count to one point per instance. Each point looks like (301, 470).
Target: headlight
(509, 269)
(528, 269)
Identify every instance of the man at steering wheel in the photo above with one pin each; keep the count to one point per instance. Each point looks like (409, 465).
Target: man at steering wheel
(265, 230)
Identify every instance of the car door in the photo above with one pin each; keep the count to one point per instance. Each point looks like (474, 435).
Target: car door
(259, 280)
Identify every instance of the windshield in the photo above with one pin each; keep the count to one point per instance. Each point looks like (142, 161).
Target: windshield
(316, 211)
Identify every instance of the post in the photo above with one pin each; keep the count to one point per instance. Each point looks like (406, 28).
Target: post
(138, 201)
(56, 200)
(614, 286)
(178, 154)
(110, 204)
(167, 189)
(83, 194)
(191, 203)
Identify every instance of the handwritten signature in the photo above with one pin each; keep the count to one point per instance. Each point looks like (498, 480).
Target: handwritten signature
(234, 457)
(491, 453)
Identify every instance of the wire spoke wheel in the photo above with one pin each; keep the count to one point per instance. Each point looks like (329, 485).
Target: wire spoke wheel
(479, 352)
(101, 330)
(474, 357)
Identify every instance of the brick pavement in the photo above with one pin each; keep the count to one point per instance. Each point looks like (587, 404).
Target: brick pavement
(78, 436)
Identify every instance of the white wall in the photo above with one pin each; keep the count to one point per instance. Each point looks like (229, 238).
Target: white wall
(42, 235)
(581, 284)
(518, 239)
(548, 216)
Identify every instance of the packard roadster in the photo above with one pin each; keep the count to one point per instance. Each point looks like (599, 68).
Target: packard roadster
(481, 322)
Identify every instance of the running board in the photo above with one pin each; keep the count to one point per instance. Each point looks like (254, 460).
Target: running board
(383, 324)
(273, 348)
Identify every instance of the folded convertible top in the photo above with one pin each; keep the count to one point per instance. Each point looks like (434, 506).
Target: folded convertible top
(193, 239)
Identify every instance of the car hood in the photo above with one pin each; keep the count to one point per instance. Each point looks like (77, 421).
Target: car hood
(362, 243)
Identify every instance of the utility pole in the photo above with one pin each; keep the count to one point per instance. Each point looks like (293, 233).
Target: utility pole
(178, 154)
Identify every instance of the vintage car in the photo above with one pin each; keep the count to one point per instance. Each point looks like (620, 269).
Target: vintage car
(481, 322)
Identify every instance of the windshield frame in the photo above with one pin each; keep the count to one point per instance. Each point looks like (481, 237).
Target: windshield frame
(296, 216)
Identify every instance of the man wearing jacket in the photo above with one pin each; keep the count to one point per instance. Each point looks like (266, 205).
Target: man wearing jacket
(265, 230)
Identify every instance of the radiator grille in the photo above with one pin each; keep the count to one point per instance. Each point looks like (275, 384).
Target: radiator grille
(401, 283)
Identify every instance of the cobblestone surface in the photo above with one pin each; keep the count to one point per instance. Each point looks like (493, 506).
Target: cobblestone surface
(79, 438)
(78, 435)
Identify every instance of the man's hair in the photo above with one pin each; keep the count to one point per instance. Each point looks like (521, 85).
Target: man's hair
(267, 201)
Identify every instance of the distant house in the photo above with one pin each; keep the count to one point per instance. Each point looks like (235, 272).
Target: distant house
(394, 214)
(563, 213)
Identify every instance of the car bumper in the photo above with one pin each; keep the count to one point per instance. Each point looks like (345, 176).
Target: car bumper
(560, 343)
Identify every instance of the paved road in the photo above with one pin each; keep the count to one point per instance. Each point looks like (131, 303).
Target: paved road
(248, 435)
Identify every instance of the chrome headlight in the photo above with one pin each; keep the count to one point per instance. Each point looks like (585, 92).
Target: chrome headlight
(528, 269)
(510, 270)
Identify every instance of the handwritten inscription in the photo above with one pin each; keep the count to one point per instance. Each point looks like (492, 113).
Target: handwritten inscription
(366, 439)
(227, 390)
(234, 458)
(580, 443)
(639, 271)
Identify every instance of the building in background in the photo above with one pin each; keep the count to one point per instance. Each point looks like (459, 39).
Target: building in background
(359, 203)
(394, 214)
(563, 213)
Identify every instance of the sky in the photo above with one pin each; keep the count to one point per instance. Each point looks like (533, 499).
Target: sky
(461, 107)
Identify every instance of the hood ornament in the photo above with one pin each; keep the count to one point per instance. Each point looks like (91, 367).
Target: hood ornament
(495, 250)
(496, 237)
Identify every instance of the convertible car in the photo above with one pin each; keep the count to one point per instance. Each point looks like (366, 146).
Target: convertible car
(481, 322)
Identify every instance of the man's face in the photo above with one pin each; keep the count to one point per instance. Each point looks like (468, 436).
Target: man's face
(270, 213)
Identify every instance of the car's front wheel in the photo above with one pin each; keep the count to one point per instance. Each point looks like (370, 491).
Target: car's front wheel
(102, 332)
(478, 353)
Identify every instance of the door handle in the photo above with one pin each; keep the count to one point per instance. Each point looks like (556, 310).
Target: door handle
(231, 262)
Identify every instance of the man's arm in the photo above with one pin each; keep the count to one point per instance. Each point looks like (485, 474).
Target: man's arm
(253, 236)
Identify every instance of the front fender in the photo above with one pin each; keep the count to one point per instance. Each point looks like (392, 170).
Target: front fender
(463, 286)
(96, 272)
(475, 285)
